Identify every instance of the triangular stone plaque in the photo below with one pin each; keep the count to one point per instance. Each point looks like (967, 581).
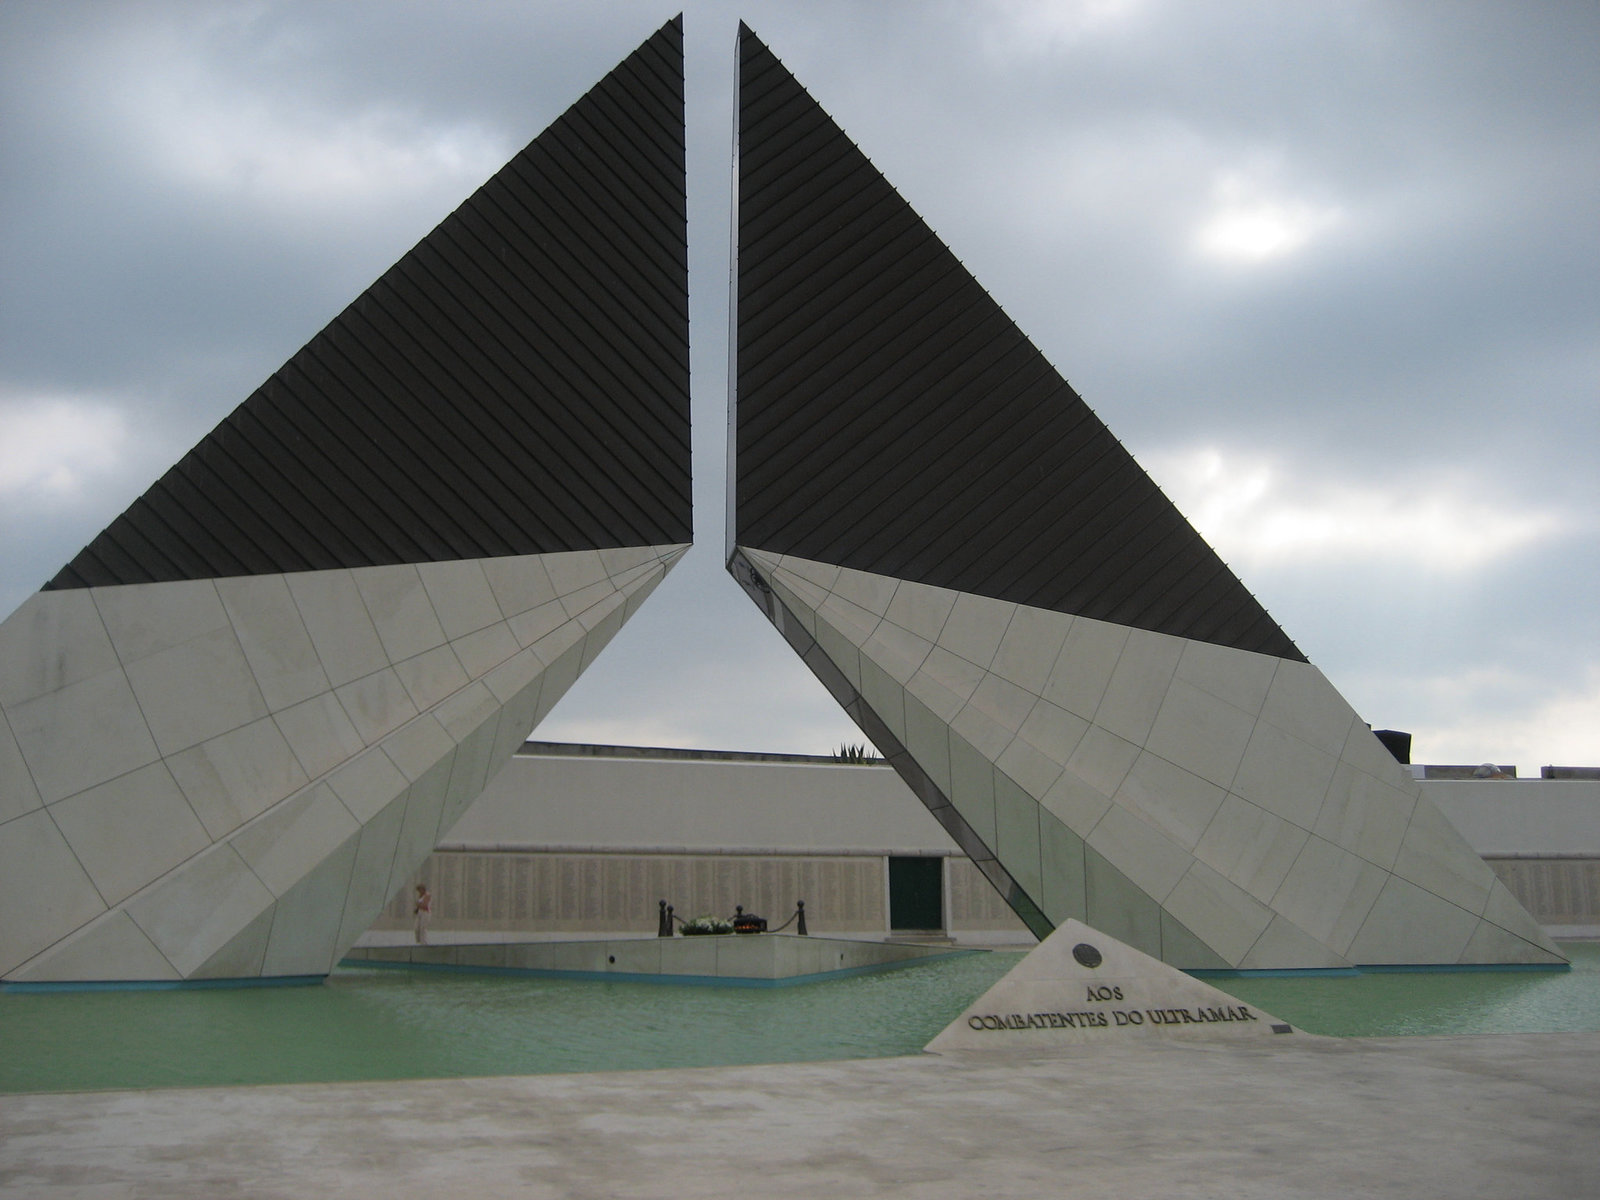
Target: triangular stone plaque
(1079, 986)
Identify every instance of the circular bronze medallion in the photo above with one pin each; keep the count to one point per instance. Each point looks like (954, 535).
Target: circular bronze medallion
(1087, 955)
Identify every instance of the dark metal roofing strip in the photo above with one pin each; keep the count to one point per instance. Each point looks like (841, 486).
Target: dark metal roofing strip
(517, 384)
(889, 416)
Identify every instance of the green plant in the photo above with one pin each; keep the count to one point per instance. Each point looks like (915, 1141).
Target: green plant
(699, 926)
(854, 754)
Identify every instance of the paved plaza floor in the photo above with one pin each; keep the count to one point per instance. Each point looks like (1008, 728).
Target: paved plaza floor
(1504, 1116)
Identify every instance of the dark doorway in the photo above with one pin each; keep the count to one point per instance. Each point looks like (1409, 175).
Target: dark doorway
(916, 894)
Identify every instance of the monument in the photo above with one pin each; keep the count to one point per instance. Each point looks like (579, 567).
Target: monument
(1077, 687)
(237, 722)
(239, 719)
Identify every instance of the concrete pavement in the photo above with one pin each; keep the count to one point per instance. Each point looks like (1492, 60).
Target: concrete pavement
(1451, 1117)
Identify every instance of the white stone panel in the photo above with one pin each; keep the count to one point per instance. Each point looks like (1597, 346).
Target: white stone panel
(416, 746)
(1284, 946)
(1004, 703)
(1200, 733)
(928, 740)
(975, 627)
(108, 736)
(511, 678)
(400, 610)
(129, 831)
(274, 639)
(47, 893)
(53, 640)
(1411, 925)
(239, 775)
(1491, 944)
(1225, 917)
(194, 911)
(305, 921)
(376, 704)
(1034, 771)
(1304, 703)
(1504, 910)
(1178, 801)
(242, 955)
(1364, 752)
(369, 878)
(607, 617)
(196, 690)
(921, 609)
(851, 620)
(972, 788)
(1017, 840)
(1028, 651)
(335, 617)
(1138, 685)
(1053, 731)
(17, 793)
(1329, 893)
(574, 571)
(841, 651)
(519, 582)
(461, 594)
(945, 682)
(1075, 803)
(537, 623)
(1083, 668)
(1364, 816)
(463, 713)
(320, 733)
(1284, 775)
(1102, 760)
(419, 832)
(1434, 856)
(109, 948)
(1150, 859)
(1251, 846)
(898, 651)
(370, 783)
(799, 609)
(884, 696)
(983, 731)
(558, 677)
(485, 649)
(820, 574)
(865, 590)
(283, 845)
(1239, 678)
(432, 675)
(470, 770)
(147, 618)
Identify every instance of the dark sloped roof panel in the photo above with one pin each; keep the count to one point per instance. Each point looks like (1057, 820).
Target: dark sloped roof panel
(518, 383)
(890, 417)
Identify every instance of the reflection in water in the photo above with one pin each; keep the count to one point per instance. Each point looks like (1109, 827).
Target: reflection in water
(382, 1024)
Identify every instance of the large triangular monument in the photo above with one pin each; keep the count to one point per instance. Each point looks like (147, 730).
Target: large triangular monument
(238, 721)
(1079, 689)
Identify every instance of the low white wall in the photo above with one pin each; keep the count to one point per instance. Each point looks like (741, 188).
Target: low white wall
(1533, 818)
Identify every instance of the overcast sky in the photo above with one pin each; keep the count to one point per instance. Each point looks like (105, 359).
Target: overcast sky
(1330, 270)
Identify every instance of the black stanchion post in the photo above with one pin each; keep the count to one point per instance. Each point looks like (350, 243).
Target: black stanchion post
(801, 928)
(664, 925)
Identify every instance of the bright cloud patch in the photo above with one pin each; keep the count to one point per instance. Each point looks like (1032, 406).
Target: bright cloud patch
(1251, 223)
(279, 148)
(1255, 513)
(58, 447)
(1476, 724)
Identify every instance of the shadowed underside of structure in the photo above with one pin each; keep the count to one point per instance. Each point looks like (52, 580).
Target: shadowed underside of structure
(1088, 699)
(238, 720)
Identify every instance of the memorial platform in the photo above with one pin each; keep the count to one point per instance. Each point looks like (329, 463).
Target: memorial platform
(738, 959)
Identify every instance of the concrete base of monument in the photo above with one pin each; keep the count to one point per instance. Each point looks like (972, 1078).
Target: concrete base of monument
(1080, 986)
(762, 959)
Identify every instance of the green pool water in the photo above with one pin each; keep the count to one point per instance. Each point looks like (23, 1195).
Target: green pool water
(388, 1024)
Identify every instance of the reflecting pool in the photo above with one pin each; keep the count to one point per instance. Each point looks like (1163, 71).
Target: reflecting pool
(405, 1024)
